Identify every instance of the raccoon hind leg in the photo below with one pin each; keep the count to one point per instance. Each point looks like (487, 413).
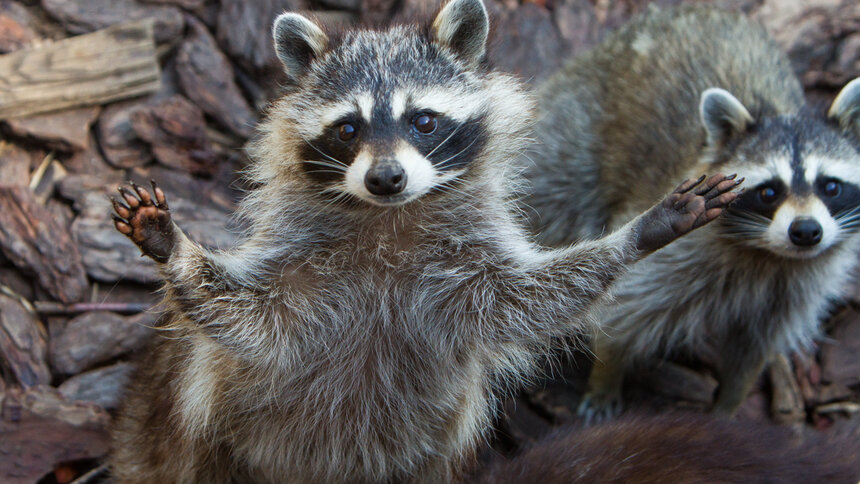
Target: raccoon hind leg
(603, 399)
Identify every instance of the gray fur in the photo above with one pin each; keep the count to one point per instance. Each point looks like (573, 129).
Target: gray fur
(348, 342)
(462, 27)
(846, 107)
(625, 115)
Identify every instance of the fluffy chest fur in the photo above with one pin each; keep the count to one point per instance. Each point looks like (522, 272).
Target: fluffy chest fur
(368, 356)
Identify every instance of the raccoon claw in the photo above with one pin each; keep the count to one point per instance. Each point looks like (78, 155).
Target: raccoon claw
(147, 224)
(596, 408)
(693, 204)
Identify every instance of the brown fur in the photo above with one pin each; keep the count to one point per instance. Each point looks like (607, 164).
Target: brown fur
(682, 448)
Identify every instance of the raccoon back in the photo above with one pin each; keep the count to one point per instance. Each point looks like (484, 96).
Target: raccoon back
(619, 125)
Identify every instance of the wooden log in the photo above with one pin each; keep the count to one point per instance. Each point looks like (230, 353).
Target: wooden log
(115, 63)
(35, 242)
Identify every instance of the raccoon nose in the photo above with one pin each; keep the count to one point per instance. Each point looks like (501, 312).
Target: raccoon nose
(804, 232)
(385, 179)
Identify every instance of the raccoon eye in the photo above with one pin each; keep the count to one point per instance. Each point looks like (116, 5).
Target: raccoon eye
(424, 123)
(767, 195)
(346, 131)
(832, 188)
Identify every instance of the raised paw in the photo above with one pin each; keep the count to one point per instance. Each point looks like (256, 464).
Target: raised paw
(693, 204)
(145, 220)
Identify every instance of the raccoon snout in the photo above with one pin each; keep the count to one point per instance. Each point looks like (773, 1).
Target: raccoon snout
(804, 232)
(387, 178)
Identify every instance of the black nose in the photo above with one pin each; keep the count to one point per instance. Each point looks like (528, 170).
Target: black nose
(804, 232)
(386, 178)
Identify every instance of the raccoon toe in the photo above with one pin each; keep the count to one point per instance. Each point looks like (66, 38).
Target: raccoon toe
(597, 408)
(145, 219)
(691, 205)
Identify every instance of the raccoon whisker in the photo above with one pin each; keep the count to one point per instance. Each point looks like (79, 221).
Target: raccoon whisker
(442, 164)
(443, 142)
(324, 154)
(341, 168)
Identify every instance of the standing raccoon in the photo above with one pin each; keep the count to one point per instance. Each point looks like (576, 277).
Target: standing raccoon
(685, 91)
(385, 290)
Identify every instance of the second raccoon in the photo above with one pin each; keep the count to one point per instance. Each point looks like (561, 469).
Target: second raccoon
(698, 90)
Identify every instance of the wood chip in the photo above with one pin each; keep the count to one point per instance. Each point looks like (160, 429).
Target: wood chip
(22, 343)
(97, 336)
(35, 242)
(176, 131)
(787, 404)
(83, 17)
(13, 34)
(102, 386)
(112, 64)
(67, 130)
(14, 165)
(40, 429)
(207, 78)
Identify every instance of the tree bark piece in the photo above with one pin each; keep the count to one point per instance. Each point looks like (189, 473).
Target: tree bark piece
(102, 386)
(115, 63)
(36, 243)
(14, 165)
(40, 429)
(67, 130)
(206, 77)
(176, 131)
(239, 31)
(22, 343)
(82, 17)
(13, 34)
(840, 363)
(96, 337)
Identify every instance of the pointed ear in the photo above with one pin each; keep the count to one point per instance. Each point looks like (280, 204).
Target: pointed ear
(297, 42)
(722, 115)
(462, 27)
(845, 109)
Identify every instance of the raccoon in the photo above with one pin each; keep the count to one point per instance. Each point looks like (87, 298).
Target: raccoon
(386, 290)
(680, 91)
(682, 448)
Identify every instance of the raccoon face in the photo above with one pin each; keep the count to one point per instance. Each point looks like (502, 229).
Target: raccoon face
(386, 117)
(803, 176)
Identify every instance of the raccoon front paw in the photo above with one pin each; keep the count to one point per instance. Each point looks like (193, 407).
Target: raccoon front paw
(145, 222)
(599, 407)
(686, 209)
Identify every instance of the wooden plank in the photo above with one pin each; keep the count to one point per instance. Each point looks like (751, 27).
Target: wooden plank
(115, 63)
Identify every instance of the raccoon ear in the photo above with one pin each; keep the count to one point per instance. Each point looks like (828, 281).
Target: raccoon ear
(722, 115)
(297, 42)
(845, 109)
(462, 26)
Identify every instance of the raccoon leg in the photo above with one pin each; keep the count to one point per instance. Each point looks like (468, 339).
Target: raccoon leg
(738, 371)
(602, 400)
(547, 284)
(690, 206)
(146, 221)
